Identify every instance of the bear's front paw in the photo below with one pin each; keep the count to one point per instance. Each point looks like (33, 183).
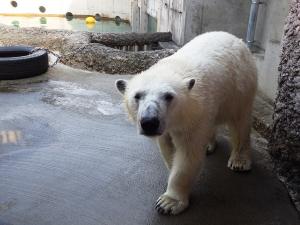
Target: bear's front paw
(168, 205)
(239, 164)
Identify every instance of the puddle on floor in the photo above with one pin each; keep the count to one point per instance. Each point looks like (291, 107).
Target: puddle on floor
(74, 96)
(4, 206)
(26, 85)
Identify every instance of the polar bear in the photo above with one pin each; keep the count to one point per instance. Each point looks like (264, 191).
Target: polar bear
(181, 100)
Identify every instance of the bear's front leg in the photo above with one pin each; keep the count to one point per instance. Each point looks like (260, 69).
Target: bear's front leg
(167, 149)
(187, 162)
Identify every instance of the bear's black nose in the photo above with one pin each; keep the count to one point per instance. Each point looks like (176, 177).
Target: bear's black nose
(150, 125)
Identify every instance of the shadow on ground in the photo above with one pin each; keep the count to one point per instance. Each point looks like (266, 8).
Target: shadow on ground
(69, 156)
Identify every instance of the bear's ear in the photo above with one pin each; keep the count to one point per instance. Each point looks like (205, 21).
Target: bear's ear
(121, 86)
(190, 84)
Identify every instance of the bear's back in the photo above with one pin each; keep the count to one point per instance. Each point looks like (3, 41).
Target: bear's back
(212, 48)
(217, 57)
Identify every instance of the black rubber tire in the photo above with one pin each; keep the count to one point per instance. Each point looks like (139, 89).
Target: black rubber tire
(17, 62)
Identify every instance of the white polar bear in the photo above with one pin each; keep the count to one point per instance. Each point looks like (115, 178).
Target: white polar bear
(181, 100)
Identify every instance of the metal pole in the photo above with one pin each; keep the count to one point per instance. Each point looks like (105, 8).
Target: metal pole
(252, 22)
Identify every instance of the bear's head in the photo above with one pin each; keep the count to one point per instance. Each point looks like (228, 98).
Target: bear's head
(155, 102)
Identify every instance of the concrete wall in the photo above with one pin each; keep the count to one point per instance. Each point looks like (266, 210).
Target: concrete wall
(188, 18)
(226, 15)
(268, 37)
(107, 8)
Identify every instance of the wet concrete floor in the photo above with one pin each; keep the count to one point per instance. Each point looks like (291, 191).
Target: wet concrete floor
(69, 156)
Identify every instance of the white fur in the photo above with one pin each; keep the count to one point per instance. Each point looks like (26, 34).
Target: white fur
(224, 91)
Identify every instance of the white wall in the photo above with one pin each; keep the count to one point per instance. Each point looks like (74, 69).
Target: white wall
(269, 31)
(171, 18)
(107, 8)
(153, 7)
(170, 15)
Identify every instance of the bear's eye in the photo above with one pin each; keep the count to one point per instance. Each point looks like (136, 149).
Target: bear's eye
(168, 97)
(138, 96)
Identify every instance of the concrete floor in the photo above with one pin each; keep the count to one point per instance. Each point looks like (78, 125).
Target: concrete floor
(69, 156)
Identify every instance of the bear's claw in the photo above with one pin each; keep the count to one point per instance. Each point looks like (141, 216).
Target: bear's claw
(169, 206)
(239, 164)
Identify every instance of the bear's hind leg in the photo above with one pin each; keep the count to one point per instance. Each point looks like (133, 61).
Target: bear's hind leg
(240, 157)
(167, 149)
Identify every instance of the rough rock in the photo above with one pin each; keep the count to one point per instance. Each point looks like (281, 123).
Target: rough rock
(89, 51)
(284, 143)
